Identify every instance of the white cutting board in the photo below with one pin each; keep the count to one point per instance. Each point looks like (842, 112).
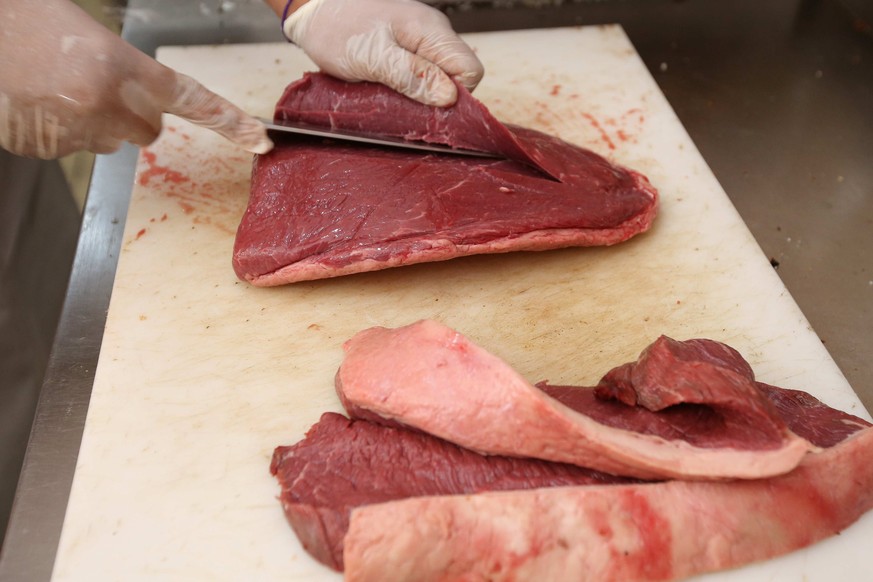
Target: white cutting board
(201, 375)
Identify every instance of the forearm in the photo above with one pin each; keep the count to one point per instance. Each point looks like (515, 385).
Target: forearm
(278, 6)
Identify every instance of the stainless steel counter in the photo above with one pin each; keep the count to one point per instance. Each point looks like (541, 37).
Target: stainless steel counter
(777, 95)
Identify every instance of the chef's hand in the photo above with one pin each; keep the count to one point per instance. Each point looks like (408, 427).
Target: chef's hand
(67, 84)
(404, 44)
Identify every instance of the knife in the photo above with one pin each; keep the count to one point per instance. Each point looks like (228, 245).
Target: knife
(379, 140)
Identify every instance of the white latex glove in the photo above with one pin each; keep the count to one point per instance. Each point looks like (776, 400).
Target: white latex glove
(67, 84)
(404, 44)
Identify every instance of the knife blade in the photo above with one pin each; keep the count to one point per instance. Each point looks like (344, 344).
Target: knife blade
(380, 140)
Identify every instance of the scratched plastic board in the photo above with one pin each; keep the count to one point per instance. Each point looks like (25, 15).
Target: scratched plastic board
(201, 375)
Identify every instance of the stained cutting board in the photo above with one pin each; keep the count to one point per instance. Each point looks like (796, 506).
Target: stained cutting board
(201, 375)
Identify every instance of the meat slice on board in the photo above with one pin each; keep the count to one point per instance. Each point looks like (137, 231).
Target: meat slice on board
(322, 100)
(319, 208)
(658, 531)
(343, 464)
(700, 414)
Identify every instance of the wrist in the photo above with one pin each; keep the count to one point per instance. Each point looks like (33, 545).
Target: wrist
(291, 7)
(294, 11)
(284, 9)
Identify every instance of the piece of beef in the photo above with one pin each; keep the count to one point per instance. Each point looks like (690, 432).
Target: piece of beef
(810, 418)
(659, 531)
(717, 424)
(343, 464)
(322, 100)
(699, 391)
(675, 391)
(390, 503)
(319, 208)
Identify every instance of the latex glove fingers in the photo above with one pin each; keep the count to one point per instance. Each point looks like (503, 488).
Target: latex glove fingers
(67, 84)
(377, 57)
(159, 89)
(404, 44)
(437, 43)
(190, 100)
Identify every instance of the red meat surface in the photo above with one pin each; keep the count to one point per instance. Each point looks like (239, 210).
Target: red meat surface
(319, 208)
(715, 422)
(343, 464)
(323, 100)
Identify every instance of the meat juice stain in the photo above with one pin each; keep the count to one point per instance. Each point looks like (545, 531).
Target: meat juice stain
(195, 197)
(167, 175)
(620, 129)
(603, 135)
(206, 220)
(635, 112)
(154, 170)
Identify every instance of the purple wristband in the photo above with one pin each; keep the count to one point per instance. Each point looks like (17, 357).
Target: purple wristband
(285, 17)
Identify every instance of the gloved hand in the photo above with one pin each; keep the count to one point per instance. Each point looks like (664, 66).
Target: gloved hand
(404, 44)
(67, 84)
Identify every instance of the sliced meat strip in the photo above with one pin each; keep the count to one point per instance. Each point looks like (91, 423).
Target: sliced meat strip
(368, 108)
(700, 391)
(432, 378)
(659, 531)
(343, 464)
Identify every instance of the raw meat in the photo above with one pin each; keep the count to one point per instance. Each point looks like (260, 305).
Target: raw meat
(699, 391)
(341, 464)
(389, 503)
(718, 424)
(321, 209)
(659, 531)
(326, 101)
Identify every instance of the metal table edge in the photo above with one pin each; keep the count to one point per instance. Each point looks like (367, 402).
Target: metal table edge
(34, 530)
(47, 473)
